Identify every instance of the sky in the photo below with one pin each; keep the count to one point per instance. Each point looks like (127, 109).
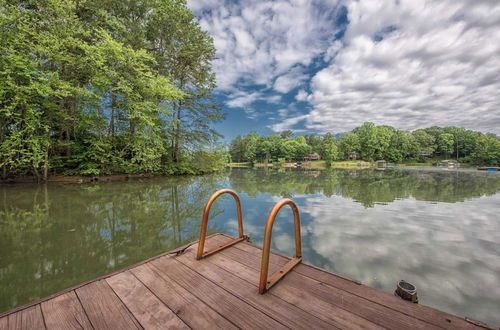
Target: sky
(323, 66)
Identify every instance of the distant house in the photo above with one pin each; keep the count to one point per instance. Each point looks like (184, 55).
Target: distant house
(354, 155)
(381, 164)
(314, 156)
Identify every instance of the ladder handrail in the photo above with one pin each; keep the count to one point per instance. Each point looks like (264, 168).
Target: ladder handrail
(204, 224)
(265, 282)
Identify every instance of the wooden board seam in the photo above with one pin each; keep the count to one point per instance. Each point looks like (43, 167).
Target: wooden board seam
(161, 275)
(84, 311)
(255, 285)
(337, 288)
(304, 263)
(159, 299)
(229, 292)
(458, 318)
(102, 277)
(124, 304)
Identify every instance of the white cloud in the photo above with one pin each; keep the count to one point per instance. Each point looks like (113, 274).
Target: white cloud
(242, 99)
(290, 80)
(404, 63)
(273, 99)
(301, 95)
(288, 123)
(257, 41)
(412, 64)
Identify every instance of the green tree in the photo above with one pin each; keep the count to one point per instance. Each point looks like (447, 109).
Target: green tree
(302, 149)
(348, 144)
(289, 149)
(185, 52)
(328, 149)
(263, 149)
(426, 142)
(367, 135)
(383, 137)
(315, 142)
(446, 144)
(402, 146)
(237, 149)
(92, 87)
(487, 151)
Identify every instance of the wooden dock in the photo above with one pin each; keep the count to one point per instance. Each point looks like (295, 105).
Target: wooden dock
(174, 290)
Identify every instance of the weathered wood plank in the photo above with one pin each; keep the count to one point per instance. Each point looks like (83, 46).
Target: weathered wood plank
(29, 318)
(190, 309)
(221, 292)
(65, 312)
(300, 298)
(278, 309)
(4, 323)
(144, 305)
(237, 311)
(421, 312)
(103, 308)
(366, 309)
(73, 288)
(376, 313)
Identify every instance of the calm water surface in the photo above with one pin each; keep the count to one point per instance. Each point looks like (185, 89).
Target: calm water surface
(437, 229)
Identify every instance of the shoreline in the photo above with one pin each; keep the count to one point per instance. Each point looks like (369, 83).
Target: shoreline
(61, 178)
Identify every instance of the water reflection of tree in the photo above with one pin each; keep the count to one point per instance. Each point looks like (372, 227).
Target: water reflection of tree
(368, 187)
(52, 237)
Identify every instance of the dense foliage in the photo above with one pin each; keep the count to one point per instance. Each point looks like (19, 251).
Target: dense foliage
(372, 142)
(99, 86)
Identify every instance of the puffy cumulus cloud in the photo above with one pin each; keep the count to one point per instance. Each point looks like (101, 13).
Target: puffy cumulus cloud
(262, 42)
(411, 64)
(301, 95)
(240, 99)
(404, 63)
(288, 123)
(290, 80)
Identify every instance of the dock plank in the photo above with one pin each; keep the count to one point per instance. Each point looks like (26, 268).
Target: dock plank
(300, 298)
(288, 314)
(238, 312)
(65, 311)
(421, 312)
(4, 323)
(104, 309)
(144, 305)
(174, 290)
(29, 318)
(294, 281)
(190, 309)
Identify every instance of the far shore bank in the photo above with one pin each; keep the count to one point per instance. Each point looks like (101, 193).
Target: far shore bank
(345, 164)
(60, 178)
(316, 165)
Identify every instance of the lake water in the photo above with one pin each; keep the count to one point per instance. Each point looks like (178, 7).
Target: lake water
(437, 229)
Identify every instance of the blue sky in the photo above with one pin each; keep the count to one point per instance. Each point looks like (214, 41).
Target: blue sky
(329, 65)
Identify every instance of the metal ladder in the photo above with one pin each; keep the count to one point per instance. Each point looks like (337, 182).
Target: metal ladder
(265, 282)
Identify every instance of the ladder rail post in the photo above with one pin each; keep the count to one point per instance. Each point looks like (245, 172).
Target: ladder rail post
(204, 224)
(266, 283)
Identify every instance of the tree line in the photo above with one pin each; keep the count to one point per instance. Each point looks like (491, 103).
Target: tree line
(101, 86)
(370, 142)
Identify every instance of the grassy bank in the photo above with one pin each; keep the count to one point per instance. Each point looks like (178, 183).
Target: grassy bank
(349, 164)
(242, 164)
